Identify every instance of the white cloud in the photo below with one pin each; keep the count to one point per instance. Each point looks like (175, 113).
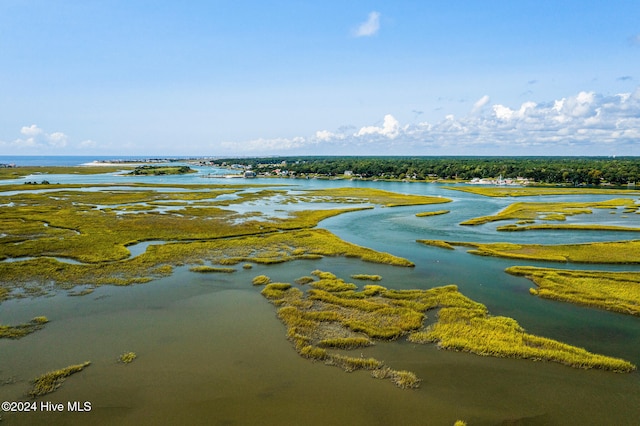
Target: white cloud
(31, 131)
(480, 103)
(390, 128)
(36, 139)
(57, 139)
(370, 27)
(585, 124)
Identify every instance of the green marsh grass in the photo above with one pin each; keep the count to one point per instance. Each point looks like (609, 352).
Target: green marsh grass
(304, 280)
(209, 269)
(613, 252)
(346, 342)
(366, 277)
(570, 227)
(127, 357)
(21, 330)
(548, 211)
(261, 280)
(52, 380)
(369, 195)
(434, 213)
(437, 243)
(477, 332)
(612, 291)
(340, 317)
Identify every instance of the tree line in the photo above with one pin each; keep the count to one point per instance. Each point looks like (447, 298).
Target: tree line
(552, 170)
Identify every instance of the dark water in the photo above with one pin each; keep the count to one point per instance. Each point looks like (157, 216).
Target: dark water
(211, 350)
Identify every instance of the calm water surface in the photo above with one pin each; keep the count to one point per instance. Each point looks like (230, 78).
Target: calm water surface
(211, 350)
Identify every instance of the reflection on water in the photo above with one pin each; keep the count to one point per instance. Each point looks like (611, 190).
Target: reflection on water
(212, 351)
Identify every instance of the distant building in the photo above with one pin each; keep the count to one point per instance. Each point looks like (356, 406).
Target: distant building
(249, 174)
(348, 173)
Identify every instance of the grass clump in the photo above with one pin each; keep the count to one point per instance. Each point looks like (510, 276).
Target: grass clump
(477, 332)
(612, 291)
(209, 269)
(598, 252)
(437, 243)
(21, 330)
(402, 378)
(275, 291)
(351, 363)
(366, 277)
(261, 280)
(548, 211)
(127, 357)
(304, 280)
(435, 213)
(52, 380)
(570, 227)
(346, 342)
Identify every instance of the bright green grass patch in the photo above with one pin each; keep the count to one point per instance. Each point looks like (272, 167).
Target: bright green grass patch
(514, 191)
(52, 380)
(613, 291)
(477, 332)
(402, 378)
(548, 211)
(127, 357)
(21, 330)
(207, 269)
(366, 277)
(598, 252)
(570, 227)
(304, 280)
(435, 213)
(346, 342)
(437, 243)
(369, 195)
(19, 172)
(261, 280)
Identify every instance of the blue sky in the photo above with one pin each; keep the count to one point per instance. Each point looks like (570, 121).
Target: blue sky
(246, 78)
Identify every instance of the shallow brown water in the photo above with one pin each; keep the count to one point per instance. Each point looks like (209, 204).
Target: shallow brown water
(211, 351)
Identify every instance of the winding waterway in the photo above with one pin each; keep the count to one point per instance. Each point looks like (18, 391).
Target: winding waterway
(211, 350)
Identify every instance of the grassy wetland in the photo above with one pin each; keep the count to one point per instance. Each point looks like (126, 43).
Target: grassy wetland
(212, 349)
(334, 314)
(549, 211)
(613, 252)
(91, 228)
(613, 291)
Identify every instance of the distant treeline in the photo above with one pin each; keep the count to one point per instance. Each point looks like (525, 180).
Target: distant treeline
(554, 170)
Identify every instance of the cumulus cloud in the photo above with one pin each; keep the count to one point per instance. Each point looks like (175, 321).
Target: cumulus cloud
(31, 131)
(390, 128)
(586, 123)
(370, 27)
(35, 138)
